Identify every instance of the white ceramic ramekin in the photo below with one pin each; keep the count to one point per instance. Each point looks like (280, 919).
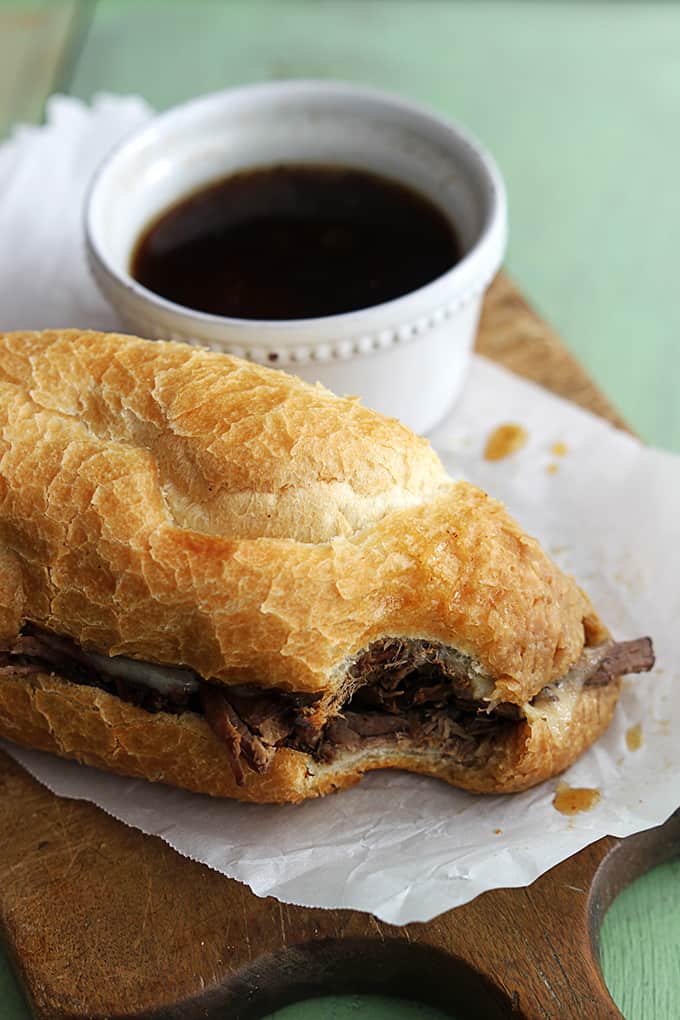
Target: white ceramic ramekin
(405, 357)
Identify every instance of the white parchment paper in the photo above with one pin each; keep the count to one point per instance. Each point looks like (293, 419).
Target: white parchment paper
(403, 847)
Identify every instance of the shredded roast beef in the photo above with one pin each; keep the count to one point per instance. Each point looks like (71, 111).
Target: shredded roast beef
(351, 729)
(413, 690)
(241, 740)
(459, 731)
(389, 663)
(622, 658)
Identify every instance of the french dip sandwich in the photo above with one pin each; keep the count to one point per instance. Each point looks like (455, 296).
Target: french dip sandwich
(217, 576)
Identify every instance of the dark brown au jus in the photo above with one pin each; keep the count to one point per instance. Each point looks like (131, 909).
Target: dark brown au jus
(295, 242)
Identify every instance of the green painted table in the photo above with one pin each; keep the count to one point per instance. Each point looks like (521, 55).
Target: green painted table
(581, 105)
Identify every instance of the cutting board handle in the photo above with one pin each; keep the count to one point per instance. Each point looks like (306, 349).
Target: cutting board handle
(527, 954)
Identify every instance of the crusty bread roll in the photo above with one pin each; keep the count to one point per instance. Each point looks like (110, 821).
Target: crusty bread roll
(321, 597)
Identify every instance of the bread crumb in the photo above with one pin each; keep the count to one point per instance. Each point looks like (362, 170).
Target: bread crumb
(497, 832)
(504, 440)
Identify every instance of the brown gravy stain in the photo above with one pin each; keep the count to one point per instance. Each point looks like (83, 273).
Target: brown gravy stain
(634, 737)
(570, 800)
(504, 440)
(497, 832)
(559, 449)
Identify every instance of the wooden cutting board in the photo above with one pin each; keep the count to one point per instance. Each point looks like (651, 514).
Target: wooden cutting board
(102, 921)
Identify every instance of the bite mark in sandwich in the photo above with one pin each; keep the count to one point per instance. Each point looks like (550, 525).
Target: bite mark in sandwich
(217, 576)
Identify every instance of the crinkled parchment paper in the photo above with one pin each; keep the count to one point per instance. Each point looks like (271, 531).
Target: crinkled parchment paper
(402, 847)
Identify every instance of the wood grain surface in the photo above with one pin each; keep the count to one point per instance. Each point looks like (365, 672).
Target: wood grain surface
(101, 920)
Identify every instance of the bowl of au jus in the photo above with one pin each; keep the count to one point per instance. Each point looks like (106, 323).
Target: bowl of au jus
(326, 229)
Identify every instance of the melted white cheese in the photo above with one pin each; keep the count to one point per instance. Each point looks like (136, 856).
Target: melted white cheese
(164, 679)
(561, 696)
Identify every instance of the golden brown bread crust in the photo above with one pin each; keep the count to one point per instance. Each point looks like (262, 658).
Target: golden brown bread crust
(237, 450)
(96, 728)
(99, 434)
(189, 508)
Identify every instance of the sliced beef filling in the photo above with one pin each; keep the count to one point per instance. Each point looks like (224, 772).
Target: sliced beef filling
(621, 658)
(402, 690)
